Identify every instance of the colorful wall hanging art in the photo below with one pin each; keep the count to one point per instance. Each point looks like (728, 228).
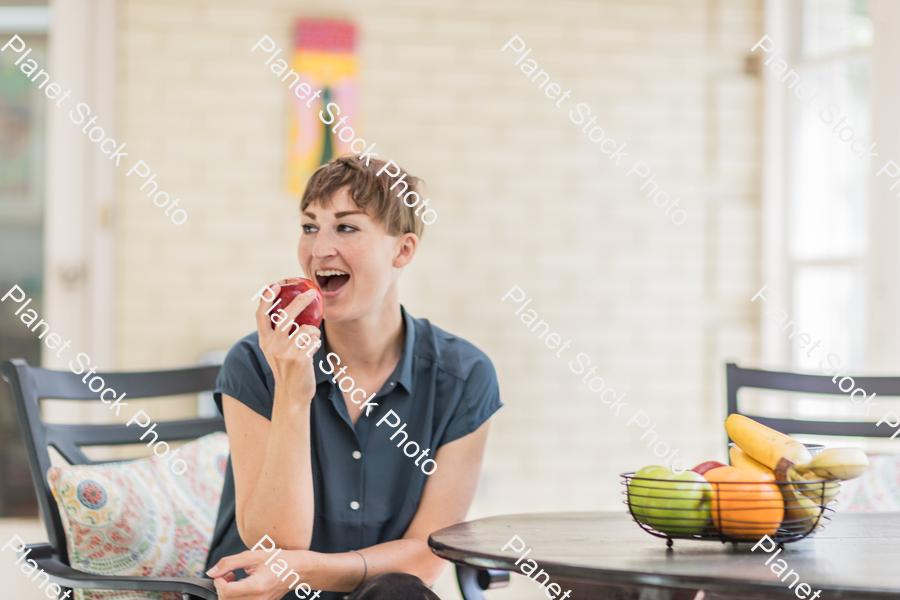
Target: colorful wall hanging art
(325, 57)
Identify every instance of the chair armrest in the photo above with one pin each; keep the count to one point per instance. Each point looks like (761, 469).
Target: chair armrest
(63, 574)
(472, 581)
(489, 579)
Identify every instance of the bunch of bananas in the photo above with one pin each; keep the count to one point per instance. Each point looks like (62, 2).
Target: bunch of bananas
(811, 482)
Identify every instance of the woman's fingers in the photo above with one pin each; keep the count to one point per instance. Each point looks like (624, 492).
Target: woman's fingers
(312, 332)
(292, 310)
(263, 322)
(255, 585)
(299, 303)
(252, 586)
(224, 591)
(306, 337)
(234, 562)
(288, 327)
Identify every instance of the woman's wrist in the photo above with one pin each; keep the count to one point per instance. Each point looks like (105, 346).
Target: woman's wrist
(340, 572)
(348, 570)
(362, 579)
(290, 407)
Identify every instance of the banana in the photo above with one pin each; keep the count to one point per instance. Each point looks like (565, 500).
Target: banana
(836, 463)
(745, 462)
(818, 490)
(763, 443)
(801, 514)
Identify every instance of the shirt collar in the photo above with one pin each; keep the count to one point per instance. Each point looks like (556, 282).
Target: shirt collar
(402, 374)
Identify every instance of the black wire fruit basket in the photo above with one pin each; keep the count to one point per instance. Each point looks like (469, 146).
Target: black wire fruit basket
(732, 511)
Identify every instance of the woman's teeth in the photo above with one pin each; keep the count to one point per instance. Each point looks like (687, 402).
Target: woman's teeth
(331, 280)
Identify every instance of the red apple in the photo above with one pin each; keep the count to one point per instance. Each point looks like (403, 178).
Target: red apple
(293, 287)
(707, 466)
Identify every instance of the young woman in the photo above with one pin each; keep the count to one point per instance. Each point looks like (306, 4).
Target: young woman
(330, 486)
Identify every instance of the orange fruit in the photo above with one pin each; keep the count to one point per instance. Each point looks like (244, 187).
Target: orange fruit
(745, 505)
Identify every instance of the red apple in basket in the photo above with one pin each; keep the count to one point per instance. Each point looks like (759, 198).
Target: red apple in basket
(293, 287)
(707, 466)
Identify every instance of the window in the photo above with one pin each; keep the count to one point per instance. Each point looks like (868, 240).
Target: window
(819, 198)
(828, 183)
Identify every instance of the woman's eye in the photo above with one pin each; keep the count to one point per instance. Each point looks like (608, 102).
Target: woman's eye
(309, 229)
(346, 228)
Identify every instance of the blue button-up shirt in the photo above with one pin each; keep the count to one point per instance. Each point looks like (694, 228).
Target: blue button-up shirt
(366, 489)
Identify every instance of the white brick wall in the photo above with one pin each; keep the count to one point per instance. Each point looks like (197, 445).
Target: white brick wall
(523, 198)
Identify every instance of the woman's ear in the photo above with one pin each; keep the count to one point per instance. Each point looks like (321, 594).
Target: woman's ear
(405, 249)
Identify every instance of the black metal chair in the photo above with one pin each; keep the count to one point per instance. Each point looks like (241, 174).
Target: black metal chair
(736, 378)
(32, 384)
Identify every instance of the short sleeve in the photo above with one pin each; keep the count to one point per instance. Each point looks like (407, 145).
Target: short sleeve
(480, 400)
(245, 377)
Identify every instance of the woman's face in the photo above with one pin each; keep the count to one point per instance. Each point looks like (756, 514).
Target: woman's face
(351, 257)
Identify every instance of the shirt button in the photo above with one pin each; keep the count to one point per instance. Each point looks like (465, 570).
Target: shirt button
(357, 454)
(354, 505)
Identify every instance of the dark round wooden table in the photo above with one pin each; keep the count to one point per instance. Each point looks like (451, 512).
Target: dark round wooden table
(607, 555)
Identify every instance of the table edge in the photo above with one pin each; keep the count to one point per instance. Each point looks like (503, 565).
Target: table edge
(593, 575)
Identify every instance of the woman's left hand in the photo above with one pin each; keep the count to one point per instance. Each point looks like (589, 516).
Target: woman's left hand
(261, 582)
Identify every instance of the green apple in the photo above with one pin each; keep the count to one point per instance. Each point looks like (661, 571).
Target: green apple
(673, 504)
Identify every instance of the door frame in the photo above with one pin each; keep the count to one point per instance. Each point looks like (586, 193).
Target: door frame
(81, 194)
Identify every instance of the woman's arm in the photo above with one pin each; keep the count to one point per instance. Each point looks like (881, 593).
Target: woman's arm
(446, 499)
(271, 460)
(272, 474)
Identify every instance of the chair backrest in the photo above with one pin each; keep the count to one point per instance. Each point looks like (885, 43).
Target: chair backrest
(32, 384)
(736, 378)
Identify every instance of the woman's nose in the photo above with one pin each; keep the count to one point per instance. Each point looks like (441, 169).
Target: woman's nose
(324, 245)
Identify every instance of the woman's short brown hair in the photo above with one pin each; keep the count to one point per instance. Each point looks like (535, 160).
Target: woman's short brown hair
(371, 192)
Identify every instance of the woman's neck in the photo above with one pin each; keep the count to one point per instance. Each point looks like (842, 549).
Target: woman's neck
(371, 343)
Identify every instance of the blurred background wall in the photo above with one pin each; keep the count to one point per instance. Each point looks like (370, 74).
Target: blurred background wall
(523, 199)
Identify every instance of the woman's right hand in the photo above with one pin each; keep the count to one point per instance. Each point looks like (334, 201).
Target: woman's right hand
(259, 584)
(289, 358)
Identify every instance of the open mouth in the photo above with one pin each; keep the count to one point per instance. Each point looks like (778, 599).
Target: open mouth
(332, 280)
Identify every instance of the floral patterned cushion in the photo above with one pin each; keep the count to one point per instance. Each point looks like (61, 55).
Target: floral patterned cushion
(139, 518)
(876, 490)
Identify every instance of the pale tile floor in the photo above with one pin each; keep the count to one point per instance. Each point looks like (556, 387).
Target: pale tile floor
(15, 584)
